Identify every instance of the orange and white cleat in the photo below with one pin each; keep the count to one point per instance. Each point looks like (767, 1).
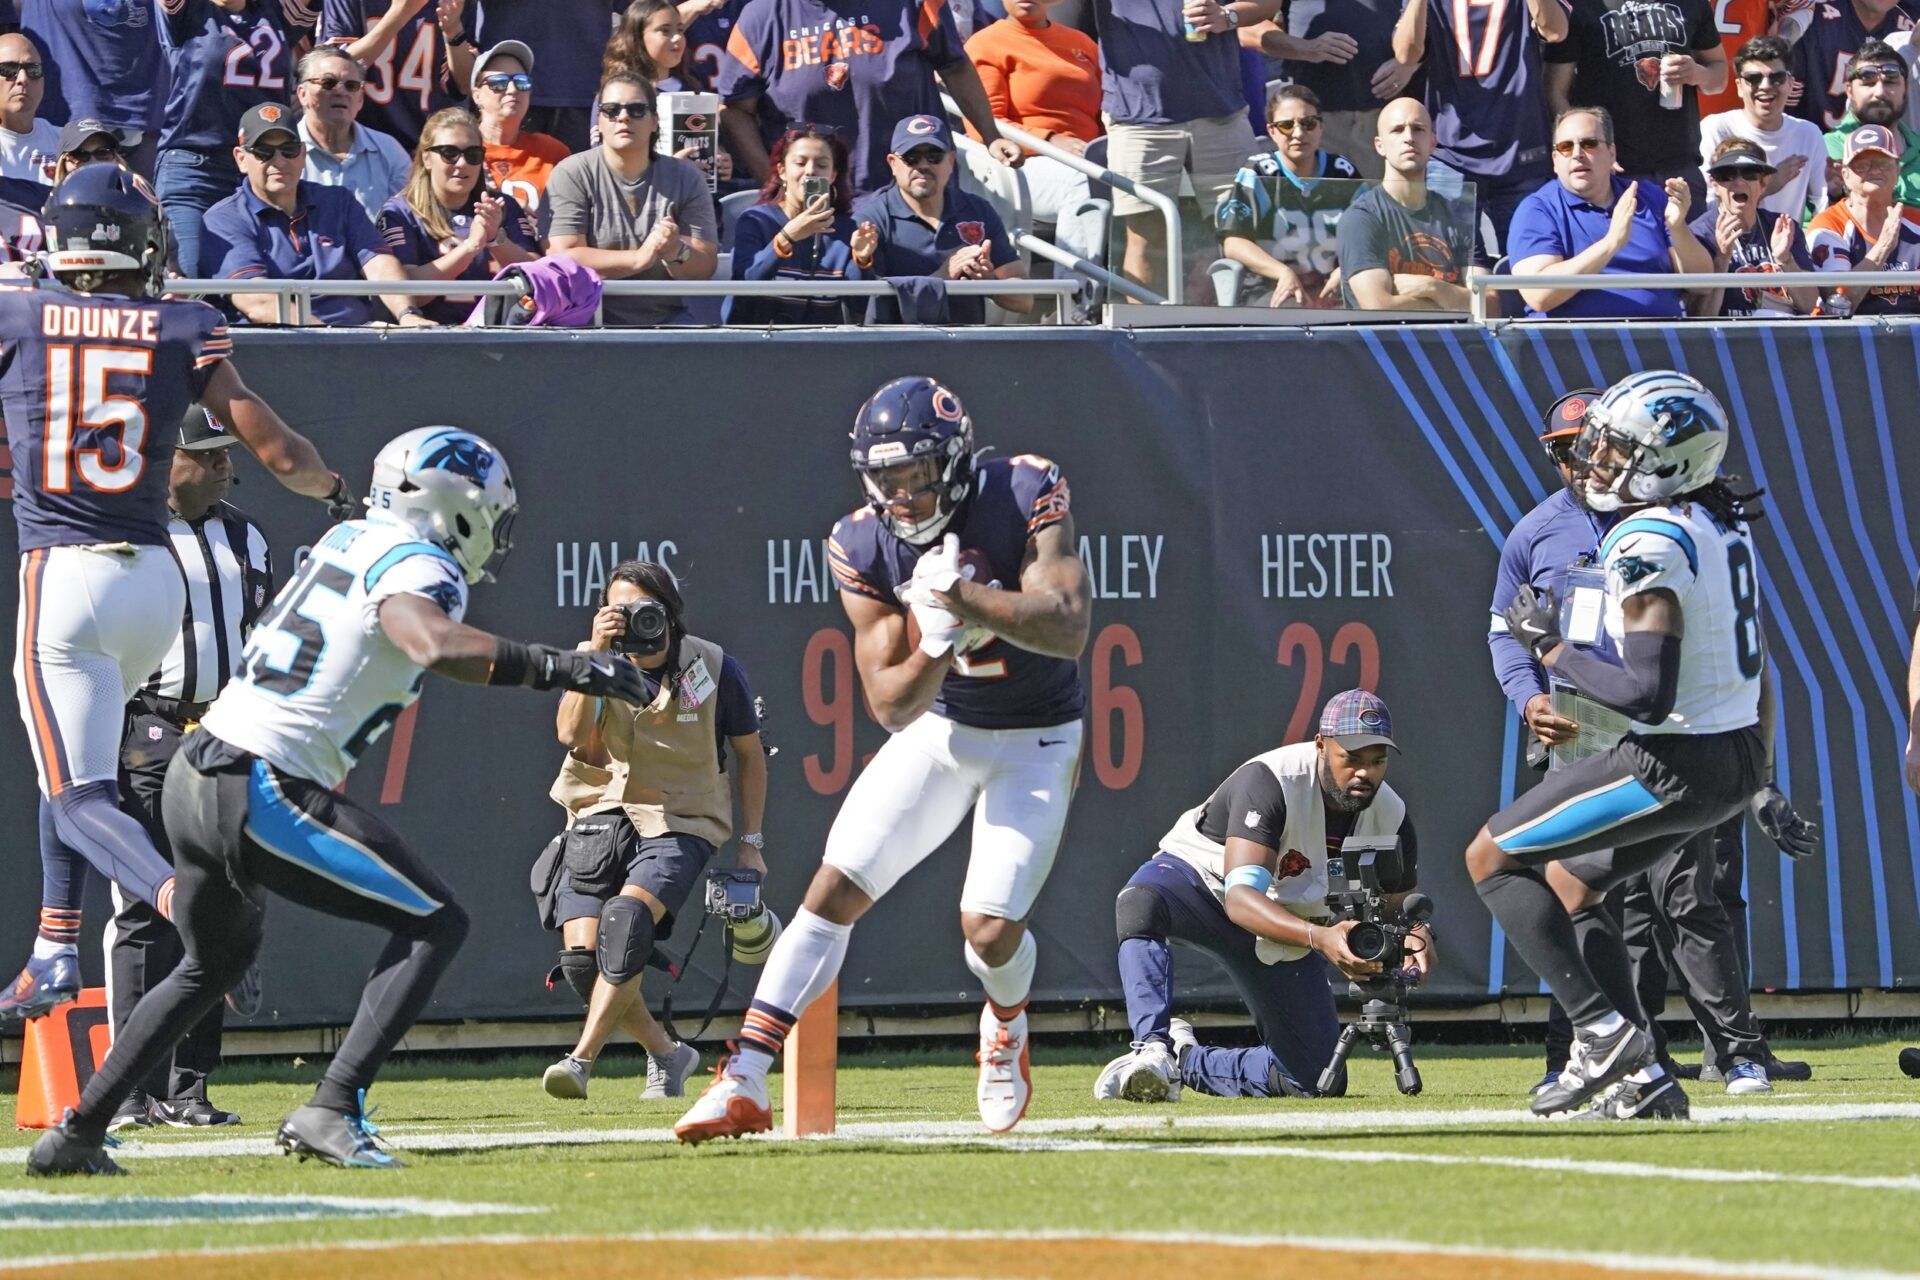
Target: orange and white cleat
(1005, 1084)
(732, 1107)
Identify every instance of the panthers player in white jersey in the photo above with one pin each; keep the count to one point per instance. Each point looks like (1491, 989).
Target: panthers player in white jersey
(250, 803)
(1682, 605)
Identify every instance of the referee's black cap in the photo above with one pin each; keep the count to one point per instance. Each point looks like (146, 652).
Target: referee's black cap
(201, 431)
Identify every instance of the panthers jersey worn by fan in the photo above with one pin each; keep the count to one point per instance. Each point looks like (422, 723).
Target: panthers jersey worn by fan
(1290, 217)
(319, 679)
(94, 388)
(1710, 569)
(996, 686)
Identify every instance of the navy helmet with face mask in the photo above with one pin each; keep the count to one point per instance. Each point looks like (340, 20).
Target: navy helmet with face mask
(919, 421)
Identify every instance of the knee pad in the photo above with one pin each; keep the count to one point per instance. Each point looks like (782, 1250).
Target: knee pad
(578, 969)
(626, 939)
(1140, 912)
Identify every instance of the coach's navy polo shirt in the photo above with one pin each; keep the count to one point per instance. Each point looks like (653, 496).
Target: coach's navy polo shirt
(1555, 221)
(327, 237)
(909, 247)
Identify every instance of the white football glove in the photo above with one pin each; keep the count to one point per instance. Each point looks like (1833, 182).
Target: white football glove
(934, 572)
(939, 629)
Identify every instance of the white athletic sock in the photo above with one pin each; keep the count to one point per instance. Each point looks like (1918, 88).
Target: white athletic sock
(1647, 1075)
(45, 949)
(804, 963)
(1604, 1026)
(1008, 985)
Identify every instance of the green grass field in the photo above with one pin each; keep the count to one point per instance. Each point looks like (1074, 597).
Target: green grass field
(1819, 1178)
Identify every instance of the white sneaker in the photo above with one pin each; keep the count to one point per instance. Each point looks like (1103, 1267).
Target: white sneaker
(732, 1107)
(567, 1078)
(1106, 1087)
(1005, 1085)
(1748, 1078)
(1183, 1040)
(1153, 1076)
(667, 1077)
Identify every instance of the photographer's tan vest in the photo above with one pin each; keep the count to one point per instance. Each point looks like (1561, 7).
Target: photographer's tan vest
(665, 769)
(1305, 894)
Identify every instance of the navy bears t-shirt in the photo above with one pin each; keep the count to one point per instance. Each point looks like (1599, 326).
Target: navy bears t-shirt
(1485, 89)
(1150, 73)
(1616, 47)
(854, 66)
(407, 240)
(998, 685)
(77, 481)
(1753, 252)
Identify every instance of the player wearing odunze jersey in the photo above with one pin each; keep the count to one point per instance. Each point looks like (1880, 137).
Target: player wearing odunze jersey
(94, 383)
(250, 801)
(416, 61)
(1682, 607)
(985, 711)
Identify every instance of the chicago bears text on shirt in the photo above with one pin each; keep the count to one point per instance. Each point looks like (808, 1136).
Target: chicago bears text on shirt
(831, 41)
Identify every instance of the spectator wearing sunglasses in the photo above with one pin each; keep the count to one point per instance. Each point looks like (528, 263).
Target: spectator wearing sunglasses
(341, 152)
(1871, 229)
(1279, 219)
(280, 227)
(446, 224)
(518, 160)
(225, 57)
(569, 36)
(28, 146)
(103, 62)
(629, 214)
(1744, 235)
(802, 229)
(1836, 35)
(1592, 221)
(84, 142)
(1793, 147)
(651, 42)
(1877, 92)
(926, 226)
(418, 57)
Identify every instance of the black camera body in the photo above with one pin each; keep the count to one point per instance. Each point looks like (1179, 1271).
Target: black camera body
(649, 628)
(1354, 877)
(733, 894)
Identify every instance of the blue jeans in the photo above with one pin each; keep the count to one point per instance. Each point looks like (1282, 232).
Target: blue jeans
(1291, 1003)
(190, 183)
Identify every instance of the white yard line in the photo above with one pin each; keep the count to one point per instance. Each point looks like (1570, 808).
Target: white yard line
(1612, 1261)
(1165, 1121)
(166, 1209)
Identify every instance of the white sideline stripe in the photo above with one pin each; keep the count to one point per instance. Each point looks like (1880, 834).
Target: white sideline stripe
(386, 1207)
(1347, 1155)
(1762, 1270)
(1280, 1122)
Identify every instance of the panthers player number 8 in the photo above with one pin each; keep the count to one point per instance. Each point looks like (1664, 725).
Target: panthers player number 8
(83, 403)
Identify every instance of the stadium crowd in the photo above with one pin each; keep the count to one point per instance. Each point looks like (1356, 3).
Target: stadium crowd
(474, 136)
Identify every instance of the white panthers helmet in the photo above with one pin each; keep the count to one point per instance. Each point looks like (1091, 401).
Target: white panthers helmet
(453, 489)
(1670, 430)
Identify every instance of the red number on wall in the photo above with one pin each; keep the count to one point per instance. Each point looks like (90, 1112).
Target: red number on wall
(829, 701)
(1353, 643)
(1116, 769)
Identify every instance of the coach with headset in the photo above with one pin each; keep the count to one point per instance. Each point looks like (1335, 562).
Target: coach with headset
(636, 847)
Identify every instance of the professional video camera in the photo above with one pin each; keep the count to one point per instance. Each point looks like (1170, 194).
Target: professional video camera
(1354, 878)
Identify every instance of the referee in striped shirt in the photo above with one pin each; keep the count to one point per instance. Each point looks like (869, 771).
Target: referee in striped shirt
(224, 557)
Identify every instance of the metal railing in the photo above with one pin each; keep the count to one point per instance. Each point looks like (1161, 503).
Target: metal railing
(1169, 208)
(294, 298)
(1482, 283)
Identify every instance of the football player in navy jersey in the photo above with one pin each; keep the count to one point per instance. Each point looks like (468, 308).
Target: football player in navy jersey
(94, 380)
(984, 705)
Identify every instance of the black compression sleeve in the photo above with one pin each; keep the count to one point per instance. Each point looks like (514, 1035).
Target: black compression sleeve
(1643, 687)
(511, 662)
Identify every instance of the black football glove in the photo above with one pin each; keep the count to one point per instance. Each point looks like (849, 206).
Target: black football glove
(1796, 837)
(1534, 619)
(590, 671)
(341, 505)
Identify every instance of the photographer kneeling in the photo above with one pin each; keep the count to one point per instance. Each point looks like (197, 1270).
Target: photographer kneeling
(1243, 877)
(632, 858)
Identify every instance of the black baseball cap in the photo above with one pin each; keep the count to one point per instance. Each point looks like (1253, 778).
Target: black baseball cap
(75, 132)
(268, 117)
(201, 432)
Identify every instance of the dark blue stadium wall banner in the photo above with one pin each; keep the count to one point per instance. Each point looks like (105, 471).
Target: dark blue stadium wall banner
(1266, 517)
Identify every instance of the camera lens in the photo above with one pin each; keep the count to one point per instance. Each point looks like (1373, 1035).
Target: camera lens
(1367, 941)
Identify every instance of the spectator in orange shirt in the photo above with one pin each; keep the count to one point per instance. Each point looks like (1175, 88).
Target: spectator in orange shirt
(1044, 76)
(519, 160)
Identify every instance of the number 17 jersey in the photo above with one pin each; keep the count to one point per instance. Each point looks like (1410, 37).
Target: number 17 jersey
(1485, 88)
(319, 680)
(94, 388)
(1710, 569)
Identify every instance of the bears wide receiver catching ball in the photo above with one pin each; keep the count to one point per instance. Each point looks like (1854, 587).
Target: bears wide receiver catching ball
(984, 705)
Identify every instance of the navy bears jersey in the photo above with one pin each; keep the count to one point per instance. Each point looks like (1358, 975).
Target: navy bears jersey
(22, 234)
(94, 389)
(1820, 57)
(997, 685)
